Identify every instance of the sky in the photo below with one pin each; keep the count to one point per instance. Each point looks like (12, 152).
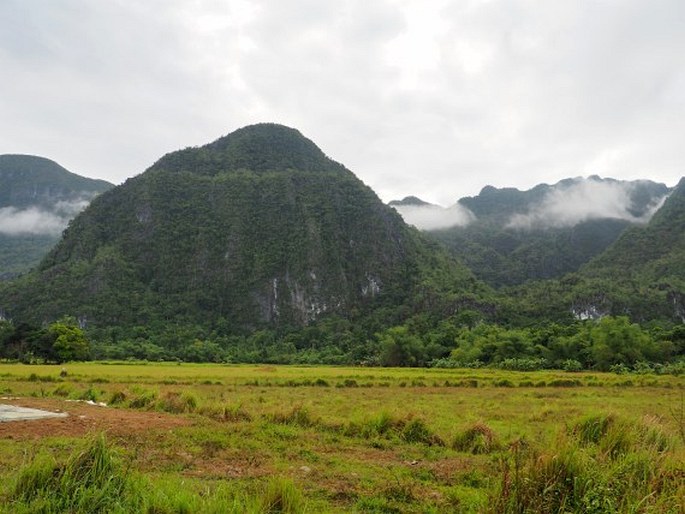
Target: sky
(432, 98)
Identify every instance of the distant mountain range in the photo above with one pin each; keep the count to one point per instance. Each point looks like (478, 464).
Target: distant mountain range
(38, 197)
(509, 237)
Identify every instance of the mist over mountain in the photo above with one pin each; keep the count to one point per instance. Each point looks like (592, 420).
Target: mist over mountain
(427, 216)
(38, 198)
(572, 202)
(507, 236)
(258, 228)
(640, 275)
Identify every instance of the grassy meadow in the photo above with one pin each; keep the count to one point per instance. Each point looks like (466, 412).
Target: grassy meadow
(229, 438)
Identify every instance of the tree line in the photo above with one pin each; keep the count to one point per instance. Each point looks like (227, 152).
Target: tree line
(463, 340)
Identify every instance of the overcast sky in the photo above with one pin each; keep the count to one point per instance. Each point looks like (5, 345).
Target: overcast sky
(425, 97)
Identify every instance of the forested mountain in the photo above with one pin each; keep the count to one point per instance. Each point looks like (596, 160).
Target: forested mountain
(257, 229)
(509, 236)
(641, 275)
(37, 199)
(645, 266)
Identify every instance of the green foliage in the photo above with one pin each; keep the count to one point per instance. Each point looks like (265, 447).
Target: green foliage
(70, 343)
(282, 495)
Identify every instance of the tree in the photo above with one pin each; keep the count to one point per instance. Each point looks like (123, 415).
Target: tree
(70, 343)
(617, 341)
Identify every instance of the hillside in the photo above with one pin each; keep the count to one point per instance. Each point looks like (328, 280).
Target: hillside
(508, 237)
(645, 268)
(257, 229)
(641, 275)
(38, 197)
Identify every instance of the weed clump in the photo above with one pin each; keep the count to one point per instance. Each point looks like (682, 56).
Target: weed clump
(92, 480)
(479, 438)
(614, 436)
(143, 400)
(63, 390)
(298, 416)
(178, 403)
(416, 431)
(282, 495)
(117, 397)
(226, 413)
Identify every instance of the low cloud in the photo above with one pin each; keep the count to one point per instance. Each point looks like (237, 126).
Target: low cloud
(38, 221)
(14, 222)
(584, 200)
(434, 217)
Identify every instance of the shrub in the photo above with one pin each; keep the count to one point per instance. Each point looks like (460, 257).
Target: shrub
(571, 365)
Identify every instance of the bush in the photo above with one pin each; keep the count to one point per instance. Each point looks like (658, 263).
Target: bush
(571, 365)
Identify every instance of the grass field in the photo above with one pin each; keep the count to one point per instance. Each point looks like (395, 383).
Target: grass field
(220, 438)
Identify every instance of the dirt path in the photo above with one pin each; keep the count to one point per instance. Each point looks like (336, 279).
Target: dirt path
(84, 418)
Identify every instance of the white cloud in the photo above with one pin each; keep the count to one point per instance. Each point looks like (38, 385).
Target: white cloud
(584, 200)
(435, 99)
(30, 221)
(40, 221)
(434, 217)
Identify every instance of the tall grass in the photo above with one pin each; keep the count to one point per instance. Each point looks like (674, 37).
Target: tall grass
(604, 464)
(92, 480)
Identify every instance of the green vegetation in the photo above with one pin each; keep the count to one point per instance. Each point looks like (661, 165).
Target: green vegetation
(274, 439)
(608, 344)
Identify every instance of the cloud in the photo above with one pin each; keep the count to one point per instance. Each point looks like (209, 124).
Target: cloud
(30, 221)
(40, 221)
(434, 217)
(583, 200)
(435, 99)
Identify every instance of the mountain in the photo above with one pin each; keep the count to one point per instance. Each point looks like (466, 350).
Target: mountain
(508, 237)
(640, 275)
(643, 273)
(38, 197)
(408, 200)
(257, 229)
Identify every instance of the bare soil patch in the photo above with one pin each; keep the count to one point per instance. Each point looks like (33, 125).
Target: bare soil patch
(84, 418)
